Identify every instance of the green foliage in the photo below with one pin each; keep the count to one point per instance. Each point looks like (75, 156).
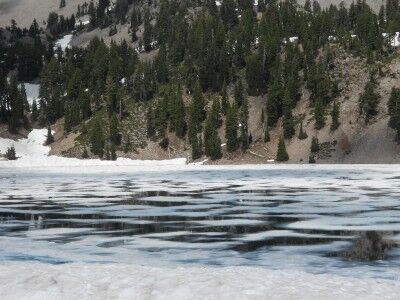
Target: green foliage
(368, 101)
(114, 130)
(11, 154)
(196, 148)
(97, 138)
(164, 143)
(212, 142)
(282, 154)
(49, 137)
(319, 115)
(244, 126)
(314, 145)
(302, 134)
(239, 97)
(394, 111)
(335, 117)
(231, 129)
(224, 99)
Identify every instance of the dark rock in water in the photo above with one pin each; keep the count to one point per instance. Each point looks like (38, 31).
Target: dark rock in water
(369, 246)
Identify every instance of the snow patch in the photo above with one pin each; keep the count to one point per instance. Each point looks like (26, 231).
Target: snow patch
(63, 42)
(32, 91)
(31, 152)
(117, 281)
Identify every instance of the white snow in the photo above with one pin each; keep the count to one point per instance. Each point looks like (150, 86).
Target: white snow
(82, 22)
(116, 281)
(292, 39)
(32, 91)
(32, 153)
(394, 40)
(63, 42)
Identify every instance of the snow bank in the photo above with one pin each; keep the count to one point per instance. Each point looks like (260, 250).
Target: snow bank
(113, 281)
(63, 42)
(32, 153)
(32, 92)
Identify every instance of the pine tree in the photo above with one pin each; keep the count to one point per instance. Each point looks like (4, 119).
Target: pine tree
(302, 134)
(319, 115)
(24, 98)
(244, 126)
(231, 129)
(239, 97)
(282, 155)
(97, 139)
(212, 142)
(224, 99)
(178, 113)
(314, 145)
(49, 137)
(369, 101)
(11, 154)
(394, 111)
(335, 116)
(113, 154)
(114, 130)
(196, 148)
(62, 3)
(288, 123)
(35, 111)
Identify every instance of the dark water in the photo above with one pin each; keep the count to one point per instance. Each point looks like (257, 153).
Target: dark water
(279, 218)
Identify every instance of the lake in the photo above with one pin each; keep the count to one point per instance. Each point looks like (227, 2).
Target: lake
(275, 217)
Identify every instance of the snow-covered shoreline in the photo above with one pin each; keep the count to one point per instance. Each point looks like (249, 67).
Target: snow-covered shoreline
(33, 154)
(115, 281)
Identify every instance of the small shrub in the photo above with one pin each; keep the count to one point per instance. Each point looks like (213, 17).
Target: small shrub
(314, 145)
(302, 134)
(11, 154)
(164, 143)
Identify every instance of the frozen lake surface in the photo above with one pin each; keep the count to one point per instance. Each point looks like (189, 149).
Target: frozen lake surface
(279, 218)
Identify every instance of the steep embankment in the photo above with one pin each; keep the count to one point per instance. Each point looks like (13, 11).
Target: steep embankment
(24, 11)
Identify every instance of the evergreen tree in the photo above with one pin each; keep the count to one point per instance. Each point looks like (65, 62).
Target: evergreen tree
(244, 126)
(231, 129)
(11, 154)
(49, 137)
(369, 101)
(212, 142)
(239, 97)
(302, 134)
(113, 154)
(62, 3)
(35, 111)
(314, 145)
(114, 130)
(196, 148)
(97, 139)
(319, 115)
(282, 155)
(394, 111)
(335, 116)
(288, 123)
(178, 122)
(224, 99)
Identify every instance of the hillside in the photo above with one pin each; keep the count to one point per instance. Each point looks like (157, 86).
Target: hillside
(144, 94)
